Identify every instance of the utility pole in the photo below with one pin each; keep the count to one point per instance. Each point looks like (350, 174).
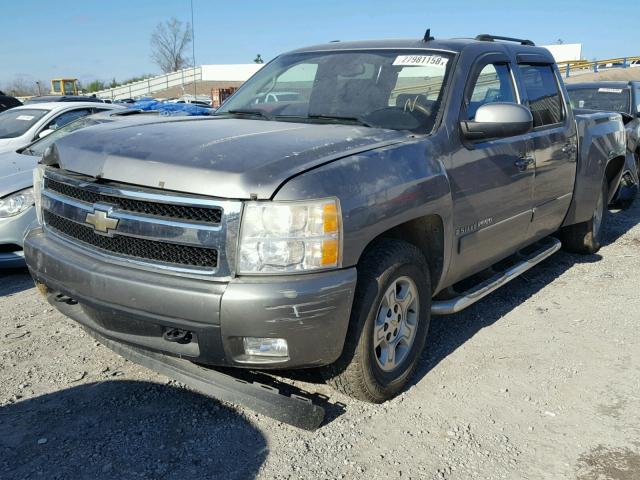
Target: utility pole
(39, 89)
(193, 50)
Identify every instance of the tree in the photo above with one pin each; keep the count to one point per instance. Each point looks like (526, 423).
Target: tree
(94, 86)
(169, 42)
(258, 59)
(22, 87)
(559, 41)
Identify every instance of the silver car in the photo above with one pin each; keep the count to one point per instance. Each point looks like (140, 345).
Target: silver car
(17, 214)
(20, 126)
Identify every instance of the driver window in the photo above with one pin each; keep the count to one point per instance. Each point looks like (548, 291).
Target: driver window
(494, 84)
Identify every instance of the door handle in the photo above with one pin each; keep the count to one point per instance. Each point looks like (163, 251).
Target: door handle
(523, 163)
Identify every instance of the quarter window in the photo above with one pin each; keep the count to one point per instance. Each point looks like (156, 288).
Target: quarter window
(544, 96)
(493, 84)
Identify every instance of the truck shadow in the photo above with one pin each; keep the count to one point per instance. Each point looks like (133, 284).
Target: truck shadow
(14, 281)
(126, 429)
(621, 221)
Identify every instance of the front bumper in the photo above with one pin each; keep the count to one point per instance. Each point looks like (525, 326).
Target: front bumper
(136, 307)
(12, 230)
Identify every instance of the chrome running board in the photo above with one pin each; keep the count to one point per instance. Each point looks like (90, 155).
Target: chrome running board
(462, 300)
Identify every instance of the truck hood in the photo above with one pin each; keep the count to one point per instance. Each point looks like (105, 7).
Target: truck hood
(16, 172)
(221, 157)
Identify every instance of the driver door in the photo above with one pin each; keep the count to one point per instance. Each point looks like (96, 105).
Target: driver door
(492, 180)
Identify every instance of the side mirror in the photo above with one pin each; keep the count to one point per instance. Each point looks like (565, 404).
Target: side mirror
(46, 132)
(498, 120)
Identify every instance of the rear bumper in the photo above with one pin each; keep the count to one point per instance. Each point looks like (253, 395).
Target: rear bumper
(136, 307)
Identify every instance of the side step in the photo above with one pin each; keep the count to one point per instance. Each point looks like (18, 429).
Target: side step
(545, 248)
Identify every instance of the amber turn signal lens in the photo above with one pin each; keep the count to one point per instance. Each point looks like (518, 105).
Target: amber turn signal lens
(330, 218)
(330, 252)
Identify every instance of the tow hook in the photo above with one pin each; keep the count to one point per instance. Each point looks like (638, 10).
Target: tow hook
(177, 335)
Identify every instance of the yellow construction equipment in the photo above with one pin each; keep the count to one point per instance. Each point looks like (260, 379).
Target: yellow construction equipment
(64, 86)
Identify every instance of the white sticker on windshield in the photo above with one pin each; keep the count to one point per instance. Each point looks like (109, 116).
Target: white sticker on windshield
(421, 60)
(610, 90)
(26, 118)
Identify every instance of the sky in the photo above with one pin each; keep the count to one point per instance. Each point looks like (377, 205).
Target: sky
(41, 39)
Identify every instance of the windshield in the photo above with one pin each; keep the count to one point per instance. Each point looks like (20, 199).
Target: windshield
(16, 122)
(38, 147)
(379, 88)
(608, 99)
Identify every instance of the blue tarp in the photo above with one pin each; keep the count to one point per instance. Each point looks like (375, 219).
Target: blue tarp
(169, 109)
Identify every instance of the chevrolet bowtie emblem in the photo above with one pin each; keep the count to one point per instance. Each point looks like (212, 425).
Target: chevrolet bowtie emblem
(100, 221)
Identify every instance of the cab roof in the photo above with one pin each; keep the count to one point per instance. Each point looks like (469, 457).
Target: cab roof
(453, 45)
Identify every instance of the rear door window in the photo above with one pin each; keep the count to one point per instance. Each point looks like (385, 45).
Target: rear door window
(543, 92)
(67, 117)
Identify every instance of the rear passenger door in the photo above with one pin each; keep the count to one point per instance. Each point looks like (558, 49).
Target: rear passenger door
(491, 180)
(554, 143)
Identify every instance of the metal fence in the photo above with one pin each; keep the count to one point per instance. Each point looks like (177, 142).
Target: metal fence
(577, 67)
(153, 84)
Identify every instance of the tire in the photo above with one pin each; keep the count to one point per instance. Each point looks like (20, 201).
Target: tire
(587, 237)
(387, 271)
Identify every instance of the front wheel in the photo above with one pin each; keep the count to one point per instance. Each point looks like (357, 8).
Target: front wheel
(389, 323)
(587, 237)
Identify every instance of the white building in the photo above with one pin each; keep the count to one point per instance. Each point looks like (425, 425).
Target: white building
(565, 52)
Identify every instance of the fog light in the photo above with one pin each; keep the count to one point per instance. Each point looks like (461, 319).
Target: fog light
(266, 347)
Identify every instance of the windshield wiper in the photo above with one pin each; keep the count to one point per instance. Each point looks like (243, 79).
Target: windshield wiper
(357, 120)
(249, 111)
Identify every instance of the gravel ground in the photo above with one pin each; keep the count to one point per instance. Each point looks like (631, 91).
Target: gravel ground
(540, 380)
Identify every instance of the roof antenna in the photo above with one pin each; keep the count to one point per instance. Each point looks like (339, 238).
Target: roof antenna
(427, 36)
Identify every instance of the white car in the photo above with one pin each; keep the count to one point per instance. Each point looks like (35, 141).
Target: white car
(20, 126)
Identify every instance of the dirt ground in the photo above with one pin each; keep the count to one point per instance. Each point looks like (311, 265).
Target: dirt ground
(540, 380)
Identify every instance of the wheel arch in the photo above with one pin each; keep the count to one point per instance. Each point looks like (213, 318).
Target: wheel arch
(427, 233)
(613, 173)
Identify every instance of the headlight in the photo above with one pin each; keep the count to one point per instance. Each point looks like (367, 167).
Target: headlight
(16, 203)
(284, 237)
(38, 184)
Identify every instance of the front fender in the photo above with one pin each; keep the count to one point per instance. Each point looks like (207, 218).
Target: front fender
(379, 190)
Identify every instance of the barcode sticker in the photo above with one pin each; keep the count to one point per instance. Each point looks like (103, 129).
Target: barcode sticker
(610, 90)
(421, 61)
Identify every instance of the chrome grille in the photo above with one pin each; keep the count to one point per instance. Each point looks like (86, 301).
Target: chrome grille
(153, 228)
(183, 212)
(134, 247)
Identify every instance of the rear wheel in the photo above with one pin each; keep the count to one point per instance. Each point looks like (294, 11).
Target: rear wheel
(587, 237)
(388, 325)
